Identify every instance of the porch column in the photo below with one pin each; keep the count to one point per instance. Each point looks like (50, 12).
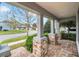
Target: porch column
(57, 32)
(40, 26)
(52, 34)
(40, 42)
(52, 26)
(57, 29)
(77, 30)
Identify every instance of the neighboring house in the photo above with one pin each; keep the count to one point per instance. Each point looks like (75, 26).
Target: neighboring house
(21, 27)
(5, 26)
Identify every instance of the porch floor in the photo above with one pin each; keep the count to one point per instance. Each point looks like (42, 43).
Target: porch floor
(66, 48)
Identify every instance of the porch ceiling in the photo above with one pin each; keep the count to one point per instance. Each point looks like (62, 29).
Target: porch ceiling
(60, 9)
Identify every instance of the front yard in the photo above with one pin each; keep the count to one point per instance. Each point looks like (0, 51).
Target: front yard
(13, 40)
(16, 42)
(12, 32)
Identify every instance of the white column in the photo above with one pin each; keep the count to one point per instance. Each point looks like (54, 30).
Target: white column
(77, 30)
(52, 34)
(57, 29)
(52, 26)
(55, 26)
(40, 26)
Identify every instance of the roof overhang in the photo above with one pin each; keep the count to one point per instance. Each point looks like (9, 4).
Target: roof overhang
(57, 10)
(60, 9)
(33, 7)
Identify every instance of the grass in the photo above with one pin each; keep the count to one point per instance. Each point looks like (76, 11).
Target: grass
(12, 32)
(23, 44)
(13, 40)
(17, 45)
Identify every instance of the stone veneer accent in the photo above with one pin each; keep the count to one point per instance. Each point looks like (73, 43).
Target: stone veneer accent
(40, 46)
(53, 38)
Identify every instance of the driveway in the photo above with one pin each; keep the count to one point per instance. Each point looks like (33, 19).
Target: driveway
(9, 36)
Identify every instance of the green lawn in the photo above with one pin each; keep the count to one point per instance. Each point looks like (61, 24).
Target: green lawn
(13, 40)
(12, 32)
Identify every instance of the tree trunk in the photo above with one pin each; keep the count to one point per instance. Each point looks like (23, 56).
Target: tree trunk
(27, 30)
(28, 27)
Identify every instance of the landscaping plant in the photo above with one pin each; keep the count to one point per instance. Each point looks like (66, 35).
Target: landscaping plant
(29, 42)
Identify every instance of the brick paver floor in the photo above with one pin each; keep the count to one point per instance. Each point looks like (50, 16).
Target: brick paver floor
(66, 48)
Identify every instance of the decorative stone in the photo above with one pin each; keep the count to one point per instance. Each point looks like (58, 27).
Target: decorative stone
(53, 38)
(40, 46)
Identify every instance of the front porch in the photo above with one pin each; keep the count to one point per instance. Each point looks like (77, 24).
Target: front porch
(66, 48)
(57, 47)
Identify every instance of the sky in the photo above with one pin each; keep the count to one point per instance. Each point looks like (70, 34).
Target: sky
(9, 11)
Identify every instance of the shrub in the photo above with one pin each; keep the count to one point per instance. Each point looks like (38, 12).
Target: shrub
(69, 36)
(45, 34)
(29, 42)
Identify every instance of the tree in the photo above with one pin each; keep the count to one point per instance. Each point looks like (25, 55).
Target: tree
(30, 19)
(8, 23)
(11, 23)
(14, 23)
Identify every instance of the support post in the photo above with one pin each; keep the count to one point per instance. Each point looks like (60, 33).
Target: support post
(57, 30)
(77, 30)
(52, 26)
(52, 34)
(40, 42)
(40, 26)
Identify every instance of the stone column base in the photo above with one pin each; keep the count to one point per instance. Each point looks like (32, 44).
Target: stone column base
(40, 46)
(53, 38)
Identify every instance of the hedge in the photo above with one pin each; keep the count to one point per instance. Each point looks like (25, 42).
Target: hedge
(70, 36)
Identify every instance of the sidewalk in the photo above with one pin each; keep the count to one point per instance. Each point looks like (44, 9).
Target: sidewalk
(17, 42)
